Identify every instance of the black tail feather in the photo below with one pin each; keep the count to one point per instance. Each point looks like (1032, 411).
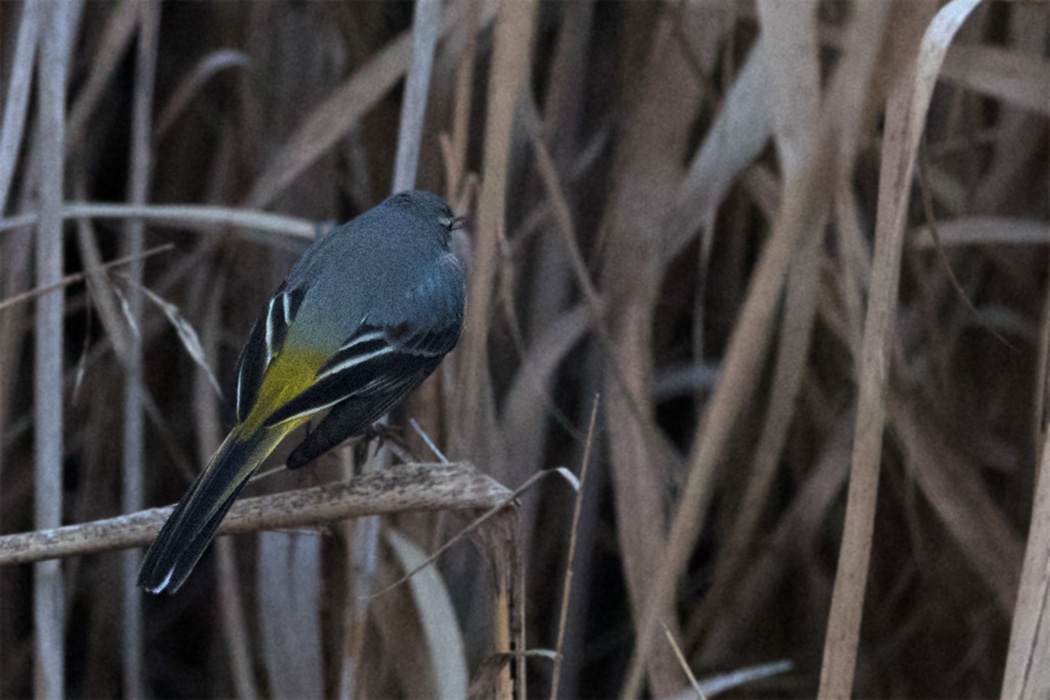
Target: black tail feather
(192, 525)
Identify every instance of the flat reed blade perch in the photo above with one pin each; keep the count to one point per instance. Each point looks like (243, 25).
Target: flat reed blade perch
(365, 315)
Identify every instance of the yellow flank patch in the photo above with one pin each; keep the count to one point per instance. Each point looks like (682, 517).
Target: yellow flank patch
(291, 373)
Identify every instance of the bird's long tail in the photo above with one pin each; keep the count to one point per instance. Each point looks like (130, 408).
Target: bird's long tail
(192, 524)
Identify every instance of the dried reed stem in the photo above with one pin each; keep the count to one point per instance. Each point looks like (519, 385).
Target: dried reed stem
(406, 488)
(48, 606)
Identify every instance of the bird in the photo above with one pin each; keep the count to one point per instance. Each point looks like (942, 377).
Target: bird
(364, 316)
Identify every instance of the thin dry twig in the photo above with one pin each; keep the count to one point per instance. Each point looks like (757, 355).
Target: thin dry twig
(684, 664)
(477, 523)
(933, 228)
(78, 276)
(567, 587)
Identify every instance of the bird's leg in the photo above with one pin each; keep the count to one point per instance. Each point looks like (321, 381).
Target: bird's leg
(391, 437)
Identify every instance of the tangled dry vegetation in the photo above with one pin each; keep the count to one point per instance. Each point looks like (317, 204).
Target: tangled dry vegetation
(795, 251)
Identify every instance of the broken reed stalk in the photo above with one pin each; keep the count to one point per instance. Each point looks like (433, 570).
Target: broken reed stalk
(405, 488)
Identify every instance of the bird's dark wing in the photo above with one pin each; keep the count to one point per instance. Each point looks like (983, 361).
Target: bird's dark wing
(265, 344)
(353, 415)
(376, 366)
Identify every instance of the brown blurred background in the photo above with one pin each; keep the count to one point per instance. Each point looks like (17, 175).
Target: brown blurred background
(665, 200)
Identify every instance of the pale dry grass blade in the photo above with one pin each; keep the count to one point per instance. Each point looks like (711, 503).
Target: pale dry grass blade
(442, 637)
(740, 132)
(905, 120)
(727, 681)
(290, 623)
(552, 182)
(332, 120)
(49, 615)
